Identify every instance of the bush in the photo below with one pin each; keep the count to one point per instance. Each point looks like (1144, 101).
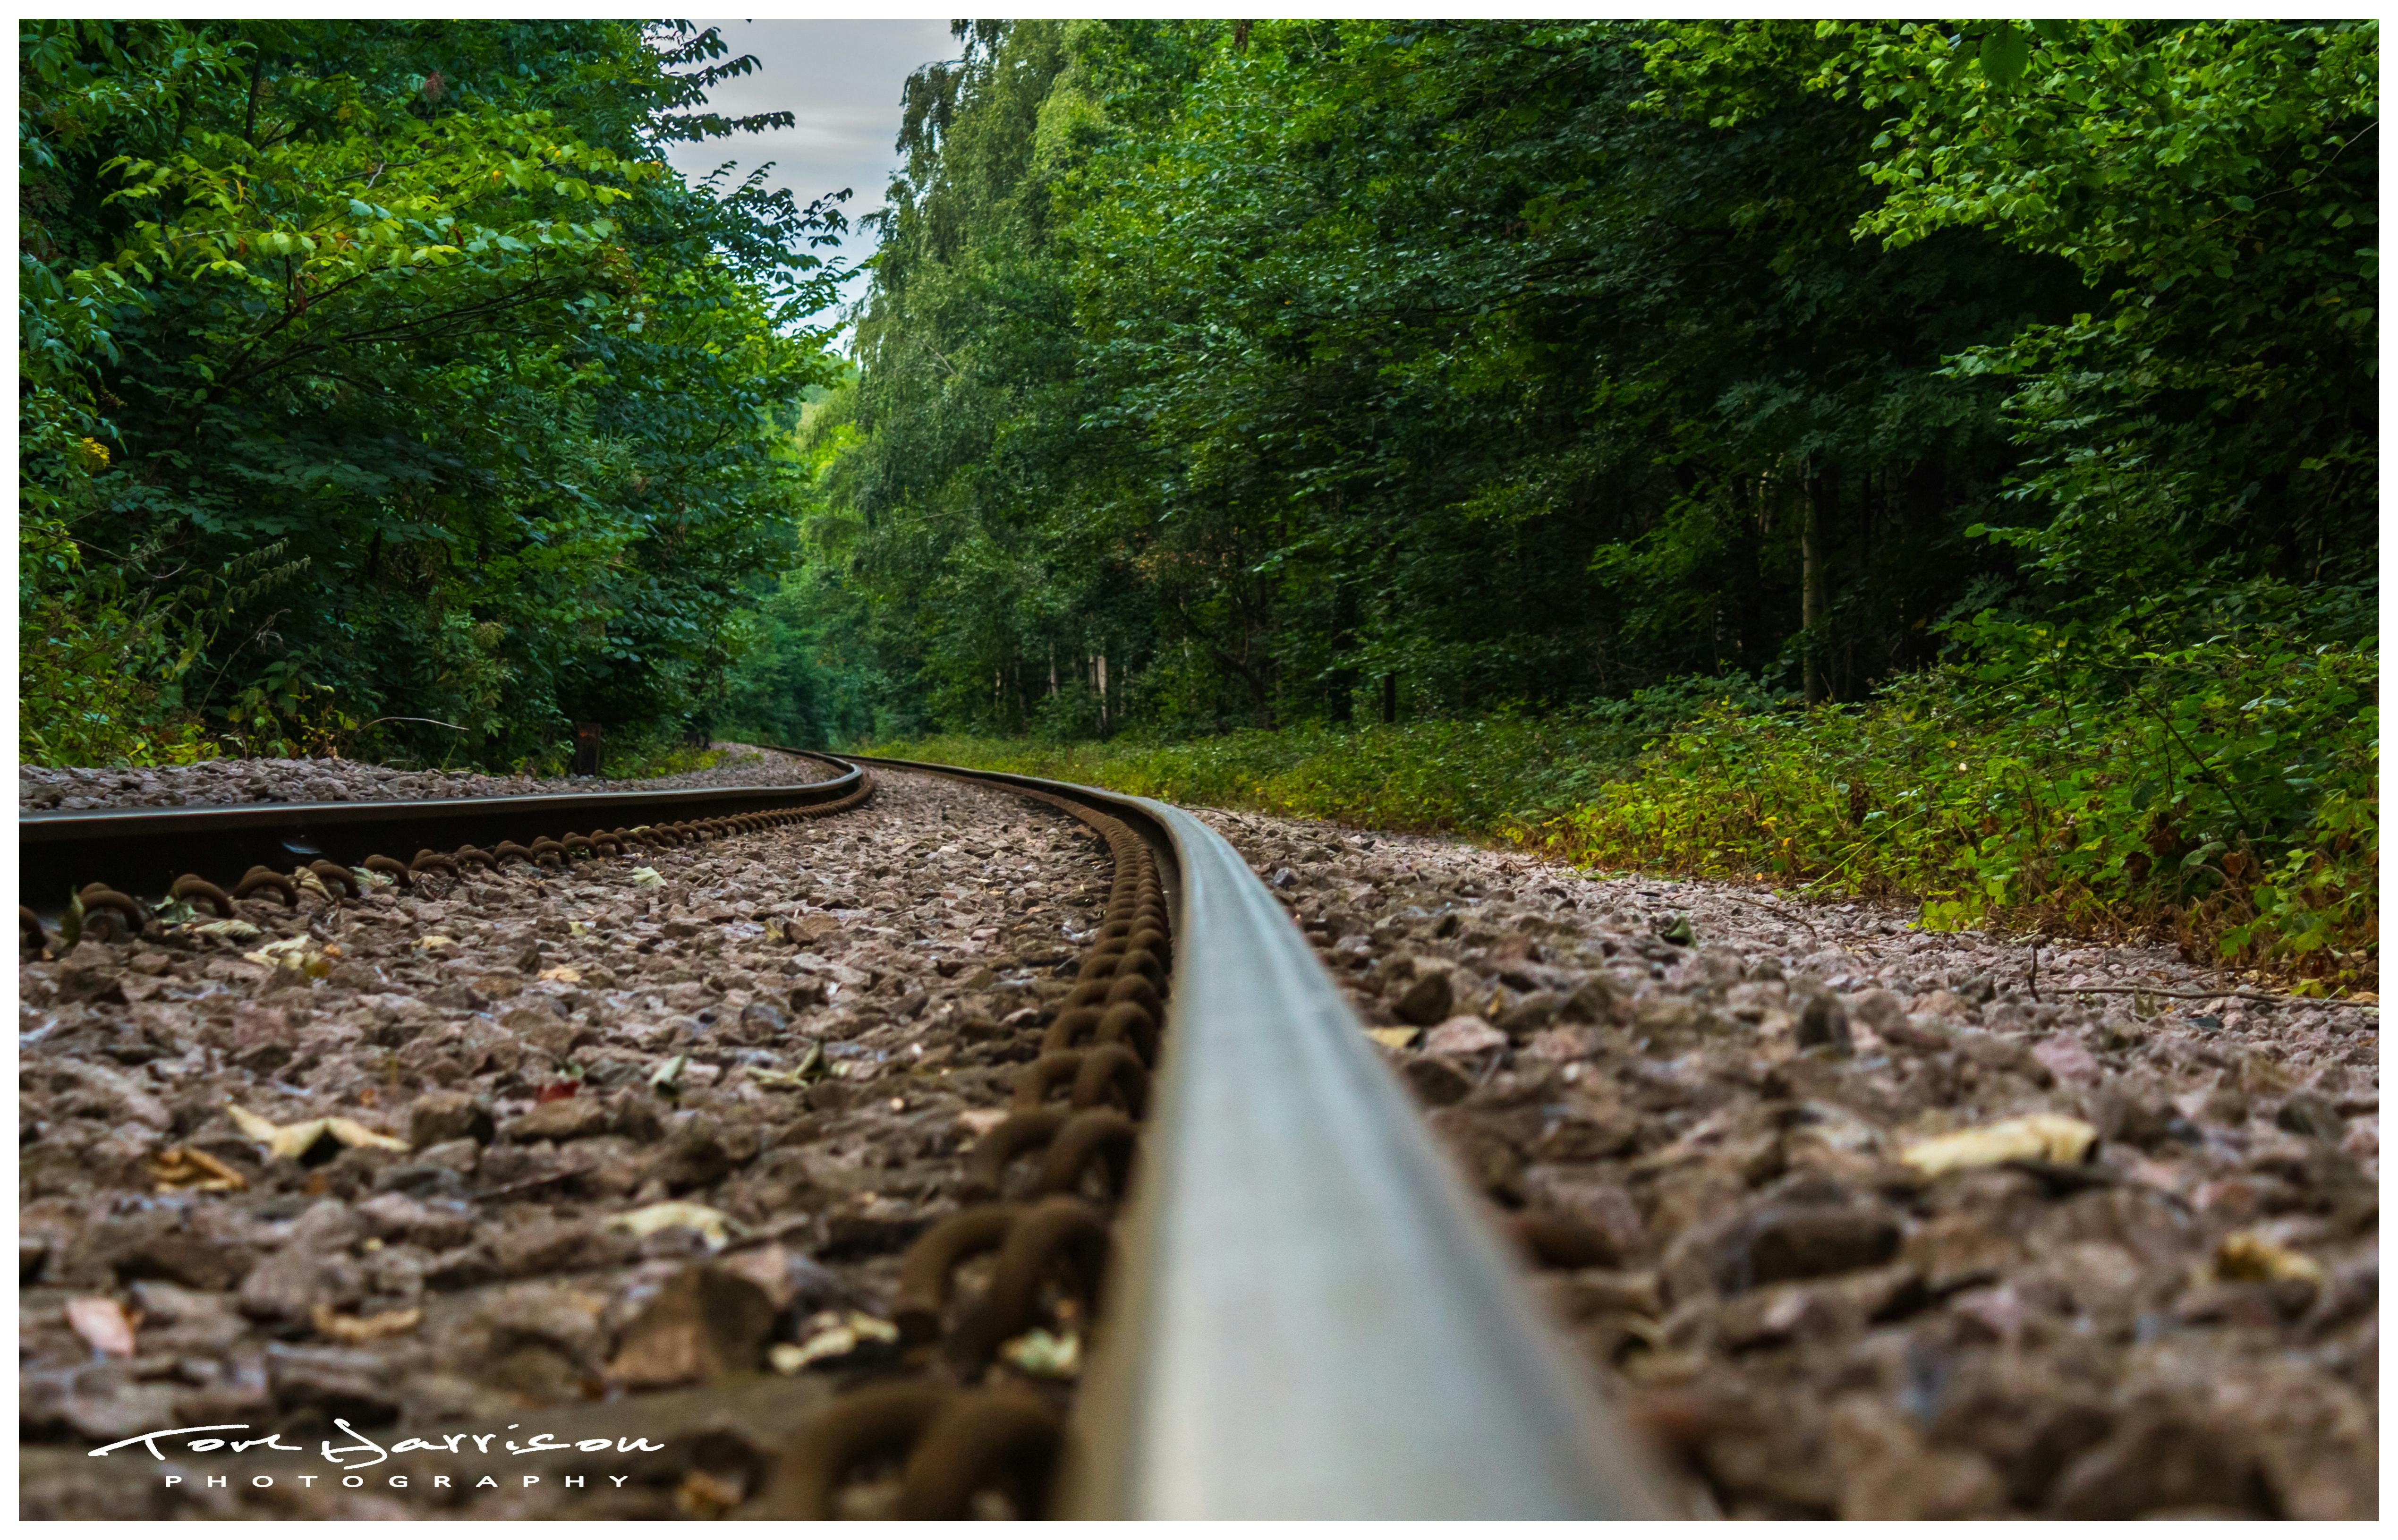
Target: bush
(1482, 775)
(2222, 794)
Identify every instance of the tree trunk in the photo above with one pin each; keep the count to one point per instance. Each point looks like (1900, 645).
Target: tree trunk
(1390, 699)
(1815, 583)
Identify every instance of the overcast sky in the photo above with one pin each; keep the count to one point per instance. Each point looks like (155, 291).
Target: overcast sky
(842, 81)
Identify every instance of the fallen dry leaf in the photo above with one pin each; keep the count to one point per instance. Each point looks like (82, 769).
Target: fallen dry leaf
(293, 1142)
(830, 1334)
(103, 1323)
(562, 974)
(979, 1121)
(436, 941)
(1394, 1037)
(363, 1329)
(2250, 1257)
(2050, 1137)
(182, 1170)
(296, 953)
(232, 930)
(705, 1497)
(715, 1227)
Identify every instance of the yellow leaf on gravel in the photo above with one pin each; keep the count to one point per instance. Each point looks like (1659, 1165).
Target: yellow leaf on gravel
(1039, 1354)
(363, 1329)
(103, 1323)
(290, 1142)
(296, 953)
(292, 952)
(2051, 1137)
(716, 1228)
(182, 1170)
(562, 974)
(1394, 1037)
(436, 941)
(647, 876)
(830, 1334)
(2250, 1257)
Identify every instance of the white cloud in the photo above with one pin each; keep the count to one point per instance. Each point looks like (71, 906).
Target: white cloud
(842, 81)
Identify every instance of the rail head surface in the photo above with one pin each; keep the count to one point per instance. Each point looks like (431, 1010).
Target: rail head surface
(144, 849)
(1311, 1319)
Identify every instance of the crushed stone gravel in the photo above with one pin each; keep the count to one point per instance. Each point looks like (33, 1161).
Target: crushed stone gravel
(799, 1031)
(2185, 1324)
(235, 781)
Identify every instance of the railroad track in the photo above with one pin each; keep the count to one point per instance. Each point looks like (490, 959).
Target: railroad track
(147, 850)
(1300, 1310)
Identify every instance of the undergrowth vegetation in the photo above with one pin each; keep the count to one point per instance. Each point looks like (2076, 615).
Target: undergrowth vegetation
(2223, 795)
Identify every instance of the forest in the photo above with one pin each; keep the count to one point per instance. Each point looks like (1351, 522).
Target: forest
(1931, 460)
(382, 391)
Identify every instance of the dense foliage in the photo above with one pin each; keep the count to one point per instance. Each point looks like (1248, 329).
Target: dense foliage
(2004, 392)
(1910, 458)
(1301, 369)
(383, 389)
(2239, 816)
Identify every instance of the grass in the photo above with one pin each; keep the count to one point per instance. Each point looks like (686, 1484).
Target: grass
(2231, 806)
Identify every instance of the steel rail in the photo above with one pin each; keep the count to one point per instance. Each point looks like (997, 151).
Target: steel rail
(1313, 1319)
(143, 850)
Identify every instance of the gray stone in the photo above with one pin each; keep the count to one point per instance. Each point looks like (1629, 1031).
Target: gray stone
(1427, 1001)
(439, 1118)
(290, 1284)
(1823, 1021)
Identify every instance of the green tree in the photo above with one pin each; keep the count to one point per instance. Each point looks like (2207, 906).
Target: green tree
(418, 306)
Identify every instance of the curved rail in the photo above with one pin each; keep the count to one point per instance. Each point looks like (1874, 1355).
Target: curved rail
(1314, 1320)
(1311, 1317)
(143, 850)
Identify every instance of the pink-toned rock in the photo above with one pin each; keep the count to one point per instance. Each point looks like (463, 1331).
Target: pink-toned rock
(1464, 1035)
(1999, 1310)
(1562, 1045)
(1943, 1004)
(254, 1024)
(2068, 1060)
(1595, 1199)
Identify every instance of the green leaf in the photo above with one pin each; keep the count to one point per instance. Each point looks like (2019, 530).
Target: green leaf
(2006, 51)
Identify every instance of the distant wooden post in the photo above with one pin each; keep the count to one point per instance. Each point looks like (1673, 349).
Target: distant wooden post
(587, 738)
